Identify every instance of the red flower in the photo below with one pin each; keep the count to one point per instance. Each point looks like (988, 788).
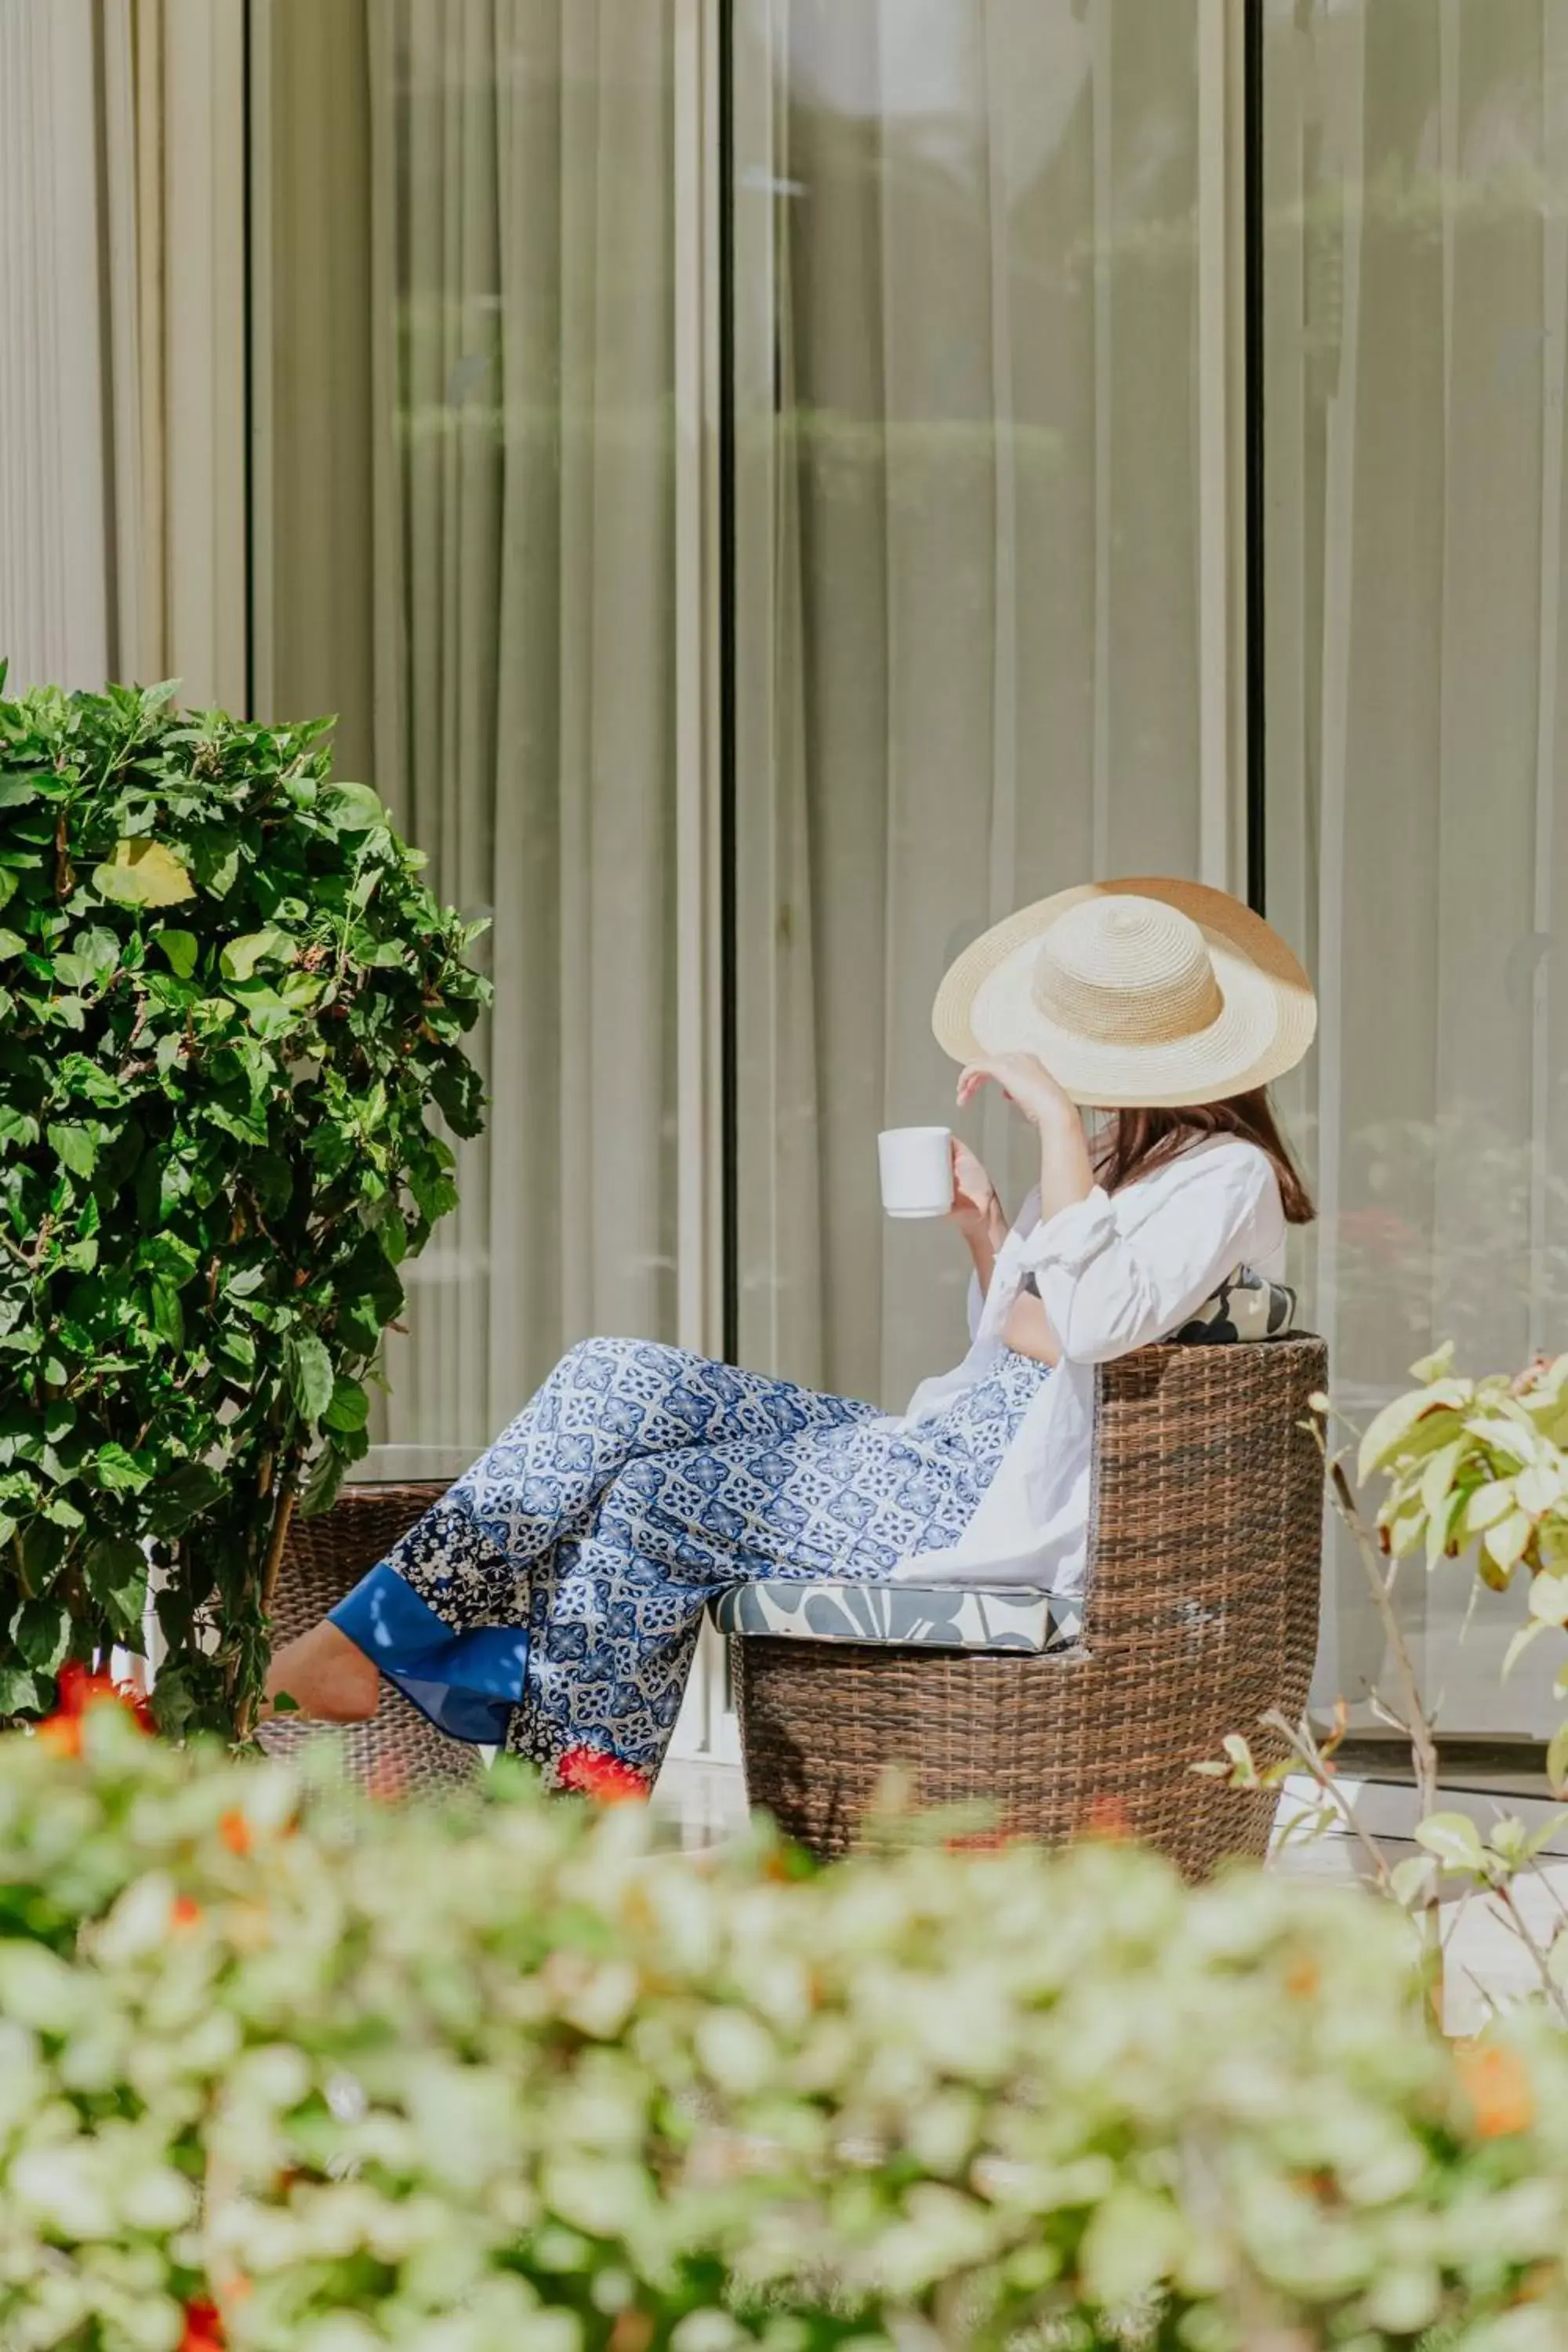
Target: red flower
(203, 2328)
(1109, 1819)
(605, 1779)
(235, 1832)
(185, 1913)
(78, 1689)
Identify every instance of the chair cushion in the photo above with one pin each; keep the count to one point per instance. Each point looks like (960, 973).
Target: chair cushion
(1247, 1306)
(921, 1616)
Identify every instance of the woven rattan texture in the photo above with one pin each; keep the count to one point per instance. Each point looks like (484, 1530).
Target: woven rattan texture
(1201, 1616)
(397, 1752)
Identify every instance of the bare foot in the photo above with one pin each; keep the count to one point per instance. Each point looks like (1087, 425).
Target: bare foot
(327, 1677)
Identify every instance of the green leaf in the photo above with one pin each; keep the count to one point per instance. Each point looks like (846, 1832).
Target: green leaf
(1410, 1882)
(216, 861)
(1547, 1834)
(1134, 2240)
(143, 874)
(75, 1147)
(18, 1126)
(1488, 1505)
(307, 1368)
(119, 1471)
(352, 808)
(235, 1352)
(168, 1315)
(17, 791)
(1438, 1475)
(96, 951)
(178, 1499)
(1540, 1487)
(350, 1407)
(1454, 1839)
(240, 958)
(1506, 1543)
(180, 950)
(326, 1477)
(168, 1254)
(1394, 1429)
(41, 1631)
(1549, 1600)
(21, 1692)
(1442, 1526)
(12, 944)
(1557, 1761)
(115, 1572)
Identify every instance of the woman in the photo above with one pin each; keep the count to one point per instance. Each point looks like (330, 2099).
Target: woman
(551, 1601)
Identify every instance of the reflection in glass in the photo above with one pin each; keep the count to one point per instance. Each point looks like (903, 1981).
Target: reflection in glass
(1416, 164)
(470, 255)
(967, 628)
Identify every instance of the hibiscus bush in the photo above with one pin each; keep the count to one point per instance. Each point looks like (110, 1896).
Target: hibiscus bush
(229, 1007)
(282, 2069)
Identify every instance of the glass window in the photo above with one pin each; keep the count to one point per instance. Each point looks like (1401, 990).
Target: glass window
(968, 633)
(1417, 164)
(468, 519)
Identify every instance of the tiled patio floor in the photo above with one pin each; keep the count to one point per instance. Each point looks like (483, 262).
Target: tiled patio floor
(702, 1803)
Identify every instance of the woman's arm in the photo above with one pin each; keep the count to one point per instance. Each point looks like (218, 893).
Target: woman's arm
(977, 1213)
(1066, 1173)
(1067, 1176)
(1027, 1330)
(1113, 1277)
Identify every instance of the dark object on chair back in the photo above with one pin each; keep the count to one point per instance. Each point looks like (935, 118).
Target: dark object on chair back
(1200, 1616)
(398, 1753)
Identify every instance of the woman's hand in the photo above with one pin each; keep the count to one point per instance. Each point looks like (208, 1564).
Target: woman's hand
(975, 1206)
(1065, 1175)
(1026, 1082)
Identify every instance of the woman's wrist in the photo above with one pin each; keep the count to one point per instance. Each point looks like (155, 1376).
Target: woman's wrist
(987, 1223)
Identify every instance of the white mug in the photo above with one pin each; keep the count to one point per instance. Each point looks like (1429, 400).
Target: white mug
(917, 1170)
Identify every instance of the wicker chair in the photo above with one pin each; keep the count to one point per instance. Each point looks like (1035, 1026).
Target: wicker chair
(397, 1752)
(1200, 1615)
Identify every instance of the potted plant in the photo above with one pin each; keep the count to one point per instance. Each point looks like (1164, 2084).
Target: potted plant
(228, 1006)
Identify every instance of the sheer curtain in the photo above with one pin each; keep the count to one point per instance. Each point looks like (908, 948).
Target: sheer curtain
(122, 501)
(56, 487)
(968, 517)
(473, 504)
(1417, 350)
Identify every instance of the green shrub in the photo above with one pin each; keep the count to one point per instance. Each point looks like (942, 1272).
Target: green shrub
(227, 1004)
(504, 2077)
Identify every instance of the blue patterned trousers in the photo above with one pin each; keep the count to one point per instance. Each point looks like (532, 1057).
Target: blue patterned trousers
(552, 1600)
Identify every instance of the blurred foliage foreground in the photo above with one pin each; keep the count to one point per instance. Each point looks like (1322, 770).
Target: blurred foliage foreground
(282, 2068)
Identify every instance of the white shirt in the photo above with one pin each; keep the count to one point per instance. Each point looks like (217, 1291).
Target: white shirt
(1113, 1273)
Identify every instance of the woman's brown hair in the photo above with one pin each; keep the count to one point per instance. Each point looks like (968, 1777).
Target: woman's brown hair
(1139, 1141)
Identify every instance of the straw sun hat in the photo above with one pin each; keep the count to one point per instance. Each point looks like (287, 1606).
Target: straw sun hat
(1133, 994)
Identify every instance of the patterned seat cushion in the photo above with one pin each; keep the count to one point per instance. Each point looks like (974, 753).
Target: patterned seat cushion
(1248, 1306)
(921, 1616)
